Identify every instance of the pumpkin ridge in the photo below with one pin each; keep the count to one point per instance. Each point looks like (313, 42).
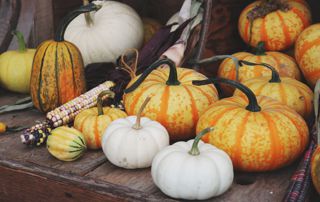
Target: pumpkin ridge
(305, 140)
(39, 78)
(285, 29)
(162, 114)
(96, 132)
(300, 16)
(203, 92)
(194, 109)
(72, 67)
(282, 93)
(213, 122)
(305, 47)
(275, 148)
(264, 34)
(139, 94)
(185, 74)
(237, 148)
(57, 72)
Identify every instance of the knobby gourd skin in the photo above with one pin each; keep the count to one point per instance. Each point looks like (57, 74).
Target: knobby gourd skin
(57, 70)
(307, 49)
(288, 91)
(256, 141)
(278, 29)
(176, 107)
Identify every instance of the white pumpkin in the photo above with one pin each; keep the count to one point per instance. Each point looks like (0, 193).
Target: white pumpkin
(196, 174)
(114, 28)
(132, 142)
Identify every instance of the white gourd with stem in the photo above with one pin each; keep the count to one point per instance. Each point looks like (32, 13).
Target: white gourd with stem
(132, 142)
(104, 35)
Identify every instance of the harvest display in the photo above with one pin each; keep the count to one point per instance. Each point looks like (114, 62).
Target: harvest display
(151, 108)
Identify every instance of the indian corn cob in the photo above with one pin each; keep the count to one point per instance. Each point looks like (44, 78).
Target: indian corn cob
(37, 135)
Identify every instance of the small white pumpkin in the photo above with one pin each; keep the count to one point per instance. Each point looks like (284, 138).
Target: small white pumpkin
(196, 174)
(132, 142)
(104, 35)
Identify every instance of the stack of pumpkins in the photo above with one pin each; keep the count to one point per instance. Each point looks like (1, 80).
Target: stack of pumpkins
(262, 127)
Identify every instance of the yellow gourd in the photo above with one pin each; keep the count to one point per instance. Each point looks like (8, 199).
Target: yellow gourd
(15, 67)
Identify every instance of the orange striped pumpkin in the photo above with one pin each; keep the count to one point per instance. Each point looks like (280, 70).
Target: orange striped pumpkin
(278, 29)
(94, 121)
(307, 50)
(284, 64)
(258, 133)
(175, 102)
(57, 69)
(288, 91)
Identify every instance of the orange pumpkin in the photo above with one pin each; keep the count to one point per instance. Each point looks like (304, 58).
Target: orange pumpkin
(94, 121)
(284, 64)
(175, 102)
(307, 50)
(258, 133)
(57, 69)
(278, 28)
(288, 91)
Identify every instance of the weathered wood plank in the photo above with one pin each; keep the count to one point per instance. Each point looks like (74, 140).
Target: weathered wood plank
(25, 182)
(270, 186)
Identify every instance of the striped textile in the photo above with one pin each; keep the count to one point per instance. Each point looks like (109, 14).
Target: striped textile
(300, 183)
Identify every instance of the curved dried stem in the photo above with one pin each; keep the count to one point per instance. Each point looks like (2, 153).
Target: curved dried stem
(130, 68)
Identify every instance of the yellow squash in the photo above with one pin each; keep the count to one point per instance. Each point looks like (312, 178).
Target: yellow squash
(15, 67)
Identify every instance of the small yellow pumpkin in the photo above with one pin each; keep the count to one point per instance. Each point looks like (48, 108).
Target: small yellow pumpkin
(94, 121)
(15, 67)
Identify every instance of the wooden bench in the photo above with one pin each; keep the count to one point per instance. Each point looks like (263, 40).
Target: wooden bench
(32, 174)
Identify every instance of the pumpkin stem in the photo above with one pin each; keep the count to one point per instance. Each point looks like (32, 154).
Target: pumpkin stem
(195, 149)
(87, 16)
(137, 125)
(59, 36)
(101, 97)
(253, 105)
(21, 41)
(260, 49)
(275, 77)
(220, 57)
(172, 80)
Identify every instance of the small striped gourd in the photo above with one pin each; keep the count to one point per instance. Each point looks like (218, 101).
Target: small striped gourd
(258, 133)
(66, 144)
(175, 103)
(94, 121)
(288, 91)
(57, 70)
(307, 49)
(279, 28)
